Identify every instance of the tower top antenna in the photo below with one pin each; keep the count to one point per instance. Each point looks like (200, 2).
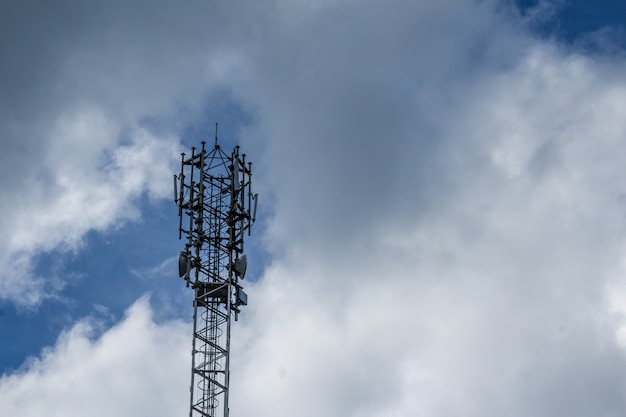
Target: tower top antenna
(216, 135)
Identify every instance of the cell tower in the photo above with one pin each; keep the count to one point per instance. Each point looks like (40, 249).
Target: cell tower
(216, 207)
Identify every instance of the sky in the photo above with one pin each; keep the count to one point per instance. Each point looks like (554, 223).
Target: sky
(442, 211)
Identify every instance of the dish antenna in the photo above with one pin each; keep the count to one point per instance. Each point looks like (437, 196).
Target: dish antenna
(183, 265)
(240, 265)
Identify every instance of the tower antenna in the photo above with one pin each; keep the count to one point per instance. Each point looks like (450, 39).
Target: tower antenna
(213, 197)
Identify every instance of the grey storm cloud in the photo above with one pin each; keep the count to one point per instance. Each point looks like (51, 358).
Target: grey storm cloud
(445, 192)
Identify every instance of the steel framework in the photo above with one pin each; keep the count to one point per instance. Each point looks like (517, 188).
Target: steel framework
(217, 208)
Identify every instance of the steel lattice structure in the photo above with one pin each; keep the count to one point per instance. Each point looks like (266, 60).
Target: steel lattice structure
(216, 207)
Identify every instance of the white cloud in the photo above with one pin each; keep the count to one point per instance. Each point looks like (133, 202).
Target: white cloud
(160, 271)
(92, 183)
(137, 367)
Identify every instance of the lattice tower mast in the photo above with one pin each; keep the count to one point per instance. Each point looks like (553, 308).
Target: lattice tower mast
(217, 208)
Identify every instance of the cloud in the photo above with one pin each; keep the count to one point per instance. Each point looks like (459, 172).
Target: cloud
(88, 186)
(160, 271)
(120, 371)
(449, 220)
(370, 93)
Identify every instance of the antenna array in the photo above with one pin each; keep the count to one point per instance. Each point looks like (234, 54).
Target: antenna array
(217, 208)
